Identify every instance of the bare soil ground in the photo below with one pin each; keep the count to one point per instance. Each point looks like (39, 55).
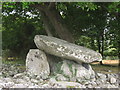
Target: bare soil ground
(108, 62)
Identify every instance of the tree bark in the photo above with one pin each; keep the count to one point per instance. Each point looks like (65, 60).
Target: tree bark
(56, 20)
(102, 46)
(47, 24)
(59, 26)
(92, 44)
(99, 44)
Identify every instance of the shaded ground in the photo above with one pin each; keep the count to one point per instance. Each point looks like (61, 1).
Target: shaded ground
(97, 67)
(20, 63)
(106, 68)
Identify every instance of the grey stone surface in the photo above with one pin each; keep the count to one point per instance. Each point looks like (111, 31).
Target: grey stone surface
(113, 80)
(19, 86)
(102, 76)
(19, 75)
(74, 71)
(37, 64)
(60, 77)
(65, 68)
(26, 81)
(64, 49)
(53, 60)
(66, 84)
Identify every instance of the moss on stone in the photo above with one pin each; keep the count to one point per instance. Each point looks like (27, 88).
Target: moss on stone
(70, 86)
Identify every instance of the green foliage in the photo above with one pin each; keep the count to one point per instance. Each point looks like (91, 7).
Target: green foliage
(111, 51)
(87, 6)
(19, 29)
(61, 7)
(84, 41)
(114, 7)
(105, 69)
(94, 25)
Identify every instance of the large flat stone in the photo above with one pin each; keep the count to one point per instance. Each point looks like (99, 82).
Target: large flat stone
(37, 64)
(64, 49)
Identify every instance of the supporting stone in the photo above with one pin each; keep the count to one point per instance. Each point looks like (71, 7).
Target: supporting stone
(37, 64)
(73, 71)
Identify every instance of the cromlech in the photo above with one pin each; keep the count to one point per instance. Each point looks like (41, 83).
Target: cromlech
(59, 57)
(56, 63)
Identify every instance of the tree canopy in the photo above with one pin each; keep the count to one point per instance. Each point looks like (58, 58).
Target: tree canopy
(90, 24)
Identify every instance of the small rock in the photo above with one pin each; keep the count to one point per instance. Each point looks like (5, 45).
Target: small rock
(20, 81)
(52, 79)
(64, 84)
(2, 85)
(7, 80)
(90, 86)
(36, 86)
(94, 84)
(94, 79)
(34, 81)
(46, 85)
(109, 71)
(112, 80)
(73, 79)
(98, 82)
(60, 77)
(86, 83)
(112, 86)
(97, 87)
(9, 84)
(26, 78)
(102, 76)
(19, 86)
(32, 87)
(19, 75)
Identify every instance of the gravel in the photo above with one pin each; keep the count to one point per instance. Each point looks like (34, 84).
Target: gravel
(13, 77)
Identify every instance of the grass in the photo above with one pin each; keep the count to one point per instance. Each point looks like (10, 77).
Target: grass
(16, 62)
(70, 86)
(96, 67)
(106, 68)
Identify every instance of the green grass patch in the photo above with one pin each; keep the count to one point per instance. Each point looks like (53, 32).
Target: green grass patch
(70, 86)
(17, 61)
(106, 69)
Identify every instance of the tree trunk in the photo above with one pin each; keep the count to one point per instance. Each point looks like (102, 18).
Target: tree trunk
(47, 24)
(59, 26)
(99, 44)
(102, 46)
(92, 44)
(99, 47)
(119, 50)
(56, 20)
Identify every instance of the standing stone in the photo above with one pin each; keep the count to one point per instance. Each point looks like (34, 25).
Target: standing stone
(37, 64)
(52, 60)
(72, 70)
(64, 49)
(66, 69)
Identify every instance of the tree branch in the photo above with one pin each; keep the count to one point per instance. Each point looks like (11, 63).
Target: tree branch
(51, 5)
(39, 6)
